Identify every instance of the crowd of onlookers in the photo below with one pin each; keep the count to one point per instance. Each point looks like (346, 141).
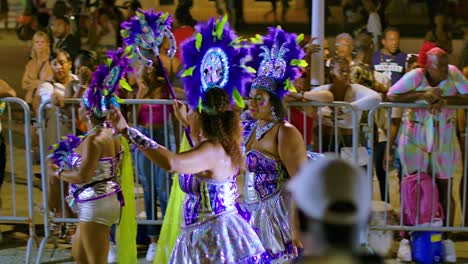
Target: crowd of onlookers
(365, 67)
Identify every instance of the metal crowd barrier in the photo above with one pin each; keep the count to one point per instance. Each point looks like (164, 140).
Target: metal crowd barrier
(401, 226)
(65, 119)
(319, 130)
(17, 214)
(322, 115)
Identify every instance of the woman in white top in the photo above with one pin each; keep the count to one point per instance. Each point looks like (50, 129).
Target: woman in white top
(360, 97)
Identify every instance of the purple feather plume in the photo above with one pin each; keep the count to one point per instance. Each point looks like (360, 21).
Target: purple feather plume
(192, 57)
(294, 51)
(60, 152)
(131, 29)
(103, 88)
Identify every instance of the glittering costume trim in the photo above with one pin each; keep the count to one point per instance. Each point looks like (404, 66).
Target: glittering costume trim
(139, 139)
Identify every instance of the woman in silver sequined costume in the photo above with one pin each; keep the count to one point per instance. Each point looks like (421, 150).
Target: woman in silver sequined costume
(274, 148)
(92, 164)
(214, 231)
(274, 151)
(94, 190)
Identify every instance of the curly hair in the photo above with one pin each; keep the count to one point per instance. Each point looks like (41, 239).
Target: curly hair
(222, 124)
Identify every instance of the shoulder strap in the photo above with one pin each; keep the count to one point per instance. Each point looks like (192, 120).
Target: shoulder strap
(40, 69)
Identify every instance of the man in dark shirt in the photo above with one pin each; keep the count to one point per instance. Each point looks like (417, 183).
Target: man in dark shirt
(390, 60)
(63, 39)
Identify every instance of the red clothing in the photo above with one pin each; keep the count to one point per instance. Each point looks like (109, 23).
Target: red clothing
(297, 119)
(181, 34)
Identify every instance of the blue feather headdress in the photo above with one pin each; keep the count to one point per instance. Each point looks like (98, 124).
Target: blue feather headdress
(277, 59)
(213, 57)
(60, 152)
(146, 30)
(107, 79)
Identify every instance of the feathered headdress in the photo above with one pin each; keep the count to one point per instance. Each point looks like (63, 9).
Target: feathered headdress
(213, 57)
(107, 79)
(147, 30)
(277, 58)
(60, 152)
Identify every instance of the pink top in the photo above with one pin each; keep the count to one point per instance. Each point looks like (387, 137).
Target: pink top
(157, 117)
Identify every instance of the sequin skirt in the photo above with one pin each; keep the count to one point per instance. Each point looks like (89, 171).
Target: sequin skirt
(226, 238)
(270, 218)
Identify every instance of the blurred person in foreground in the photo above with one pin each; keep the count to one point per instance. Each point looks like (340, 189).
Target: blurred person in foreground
(335, 195)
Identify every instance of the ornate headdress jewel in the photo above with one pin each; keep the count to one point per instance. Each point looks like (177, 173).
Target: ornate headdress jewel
(214, 58)
(102, 91)
(281, 58)
(146, 30)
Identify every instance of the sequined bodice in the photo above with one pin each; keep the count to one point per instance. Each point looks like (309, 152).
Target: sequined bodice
(107, 168)
(206, 198)
(264, 176)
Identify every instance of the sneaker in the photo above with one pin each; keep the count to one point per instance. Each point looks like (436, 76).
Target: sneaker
(404, 251)
(112, 254)
(449, 251)
(151, 252)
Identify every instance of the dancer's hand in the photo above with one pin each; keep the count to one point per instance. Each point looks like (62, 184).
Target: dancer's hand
(51, 172)
(296, 246)
(117, 120)
(180, 111)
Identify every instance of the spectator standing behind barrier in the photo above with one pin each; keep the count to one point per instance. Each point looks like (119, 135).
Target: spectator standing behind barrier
(463, 63)
(285, 9)
(440, 34)
(374, 25)
(63, 38)
(302, 85)
(428, 142)
(343, 47)
(391, 61)
(37, 69)
(336, 196)
(104, 31)
(362, 73)
(54, 90)
(151, 121)
(5, 91)
(342, 89)
(354, 16)
(84, 64)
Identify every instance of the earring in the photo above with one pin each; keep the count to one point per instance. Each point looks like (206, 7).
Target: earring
(273, 113)
(88, 118)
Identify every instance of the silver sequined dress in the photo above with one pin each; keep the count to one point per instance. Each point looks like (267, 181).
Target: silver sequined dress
(214, 230)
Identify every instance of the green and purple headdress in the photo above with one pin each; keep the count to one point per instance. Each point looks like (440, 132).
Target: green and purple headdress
(213, 57)
(107, 79)
(146, 30)
(277, 58)
(60, 152)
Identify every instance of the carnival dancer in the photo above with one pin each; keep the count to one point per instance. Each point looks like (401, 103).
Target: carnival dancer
(213, 230)
(93, 164)
(274, 148)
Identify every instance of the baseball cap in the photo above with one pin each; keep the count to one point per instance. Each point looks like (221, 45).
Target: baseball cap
(333, 191)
